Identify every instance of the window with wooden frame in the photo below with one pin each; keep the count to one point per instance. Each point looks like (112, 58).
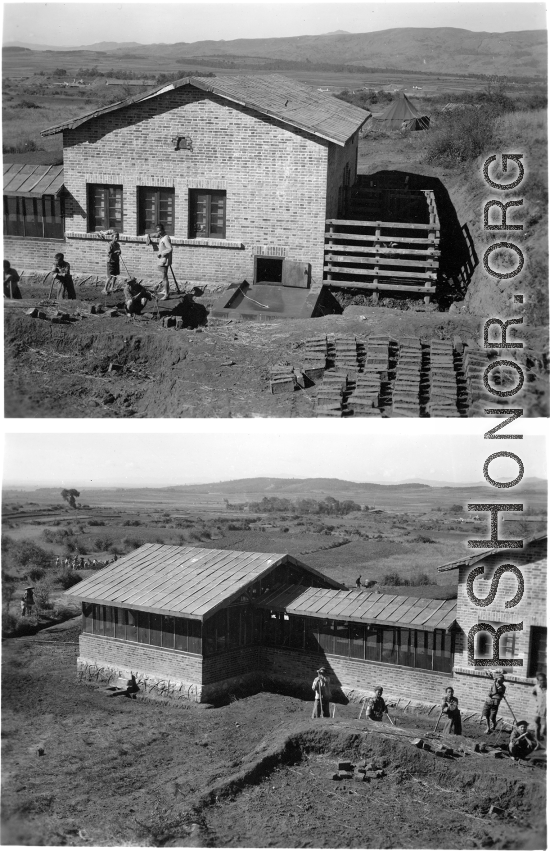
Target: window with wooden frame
(156, 206)
(34, 217)
(104, 207)
(537, 651)
(207, 213)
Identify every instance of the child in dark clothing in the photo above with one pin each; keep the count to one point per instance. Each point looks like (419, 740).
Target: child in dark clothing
(62, 274)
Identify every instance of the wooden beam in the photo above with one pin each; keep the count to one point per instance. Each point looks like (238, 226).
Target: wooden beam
(428, 253)
(349, 270)
(371, 237)
(384, 260)
(361, 285)
(393, 225)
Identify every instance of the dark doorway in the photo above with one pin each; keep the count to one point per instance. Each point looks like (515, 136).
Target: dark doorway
(268, 269)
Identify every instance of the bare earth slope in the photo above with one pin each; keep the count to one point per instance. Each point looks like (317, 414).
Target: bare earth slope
(254, 773)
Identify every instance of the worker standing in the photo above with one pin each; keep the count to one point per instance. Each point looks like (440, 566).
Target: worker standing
(540, 718)
(321, 687)
(492, 702)
(164, 258)
(449, 707)
(113, 262)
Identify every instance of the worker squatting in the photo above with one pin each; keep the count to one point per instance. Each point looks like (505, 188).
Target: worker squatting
(136, 296)
(522, 740)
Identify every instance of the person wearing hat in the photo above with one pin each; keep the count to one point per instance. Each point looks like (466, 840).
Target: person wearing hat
(135, 297)
(522, 742)
(321, 687)
(492, 702)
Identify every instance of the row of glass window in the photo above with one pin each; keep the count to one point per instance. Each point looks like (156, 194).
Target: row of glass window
(239, 626)
(44, 217)
(155, 205)
(36, 217)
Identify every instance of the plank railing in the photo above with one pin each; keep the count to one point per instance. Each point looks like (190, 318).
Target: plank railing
(381, 256)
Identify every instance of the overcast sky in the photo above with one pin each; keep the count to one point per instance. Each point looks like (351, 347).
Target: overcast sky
(139, 460)
(75, 24)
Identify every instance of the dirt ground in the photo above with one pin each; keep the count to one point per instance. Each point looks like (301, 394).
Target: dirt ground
(219, 370)
(82, 768)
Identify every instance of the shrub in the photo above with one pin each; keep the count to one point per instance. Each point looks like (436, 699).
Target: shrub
(68, 578)
(420, 579)
(392, 578)
(35, 574)
(42, 591)
(22, 146)
(103, 544)
(462, 136)
(131, 523)
(96, 523)
(25, 553)
(13, 625)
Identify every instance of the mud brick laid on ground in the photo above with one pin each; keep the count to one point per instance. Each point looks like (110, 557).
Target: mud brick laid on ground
(282, 378)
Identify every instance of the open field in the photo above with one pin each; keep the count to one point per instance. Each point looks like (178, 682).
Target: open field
(256, 772)
(414, 531)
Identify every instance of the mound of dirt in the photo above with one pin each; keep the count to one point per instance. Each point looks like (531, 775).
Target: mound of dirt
(83, 768)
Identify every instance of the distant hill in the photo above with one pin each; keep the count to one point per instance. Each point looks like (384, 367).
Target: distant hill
(443, 49)
(416, 497)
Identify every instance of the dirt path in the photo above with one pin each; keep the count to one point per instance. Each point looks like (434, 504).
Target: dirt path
(122, 772)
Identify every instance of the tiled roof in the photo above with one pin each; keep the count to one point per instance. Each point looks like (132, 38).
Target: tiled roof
(182, 581)
(467, 561)
(368, 607)
(274, 95)
(32, 181)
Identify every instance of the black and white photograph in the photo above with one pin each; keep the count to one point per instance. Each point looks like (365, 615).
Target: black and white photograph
(262, 643)
(275, 209)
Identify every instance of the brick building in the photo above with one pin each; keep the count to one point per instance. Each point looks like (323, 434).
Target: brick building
(196, 623)
(242, 171)
(522, 652)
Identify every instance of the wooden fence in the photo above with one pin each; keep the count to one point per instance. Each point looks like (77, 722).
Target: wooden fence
(385, 256)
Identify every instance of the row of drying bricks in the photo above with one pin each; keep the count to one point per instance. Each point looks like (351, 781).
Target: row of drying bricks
(424, 377)
(434, 376)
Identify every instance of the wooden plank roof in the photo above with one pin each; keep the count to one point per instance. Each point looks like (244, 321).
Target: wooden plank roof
(190, 582)
(274, 95)
(32, 181)
(370, 607)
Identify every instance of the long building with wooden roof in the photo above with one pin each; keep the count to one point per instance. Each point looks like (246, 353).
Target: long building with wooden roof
(196, 623)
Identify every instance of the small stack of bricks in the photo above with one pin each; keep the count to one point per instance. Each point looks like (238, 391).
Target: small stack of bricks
(331, 396)
(345, 353)
(475, 363)
(463, 398)
(377, 366)
(406, 387)
(282, 378)
(314, 360)
(364, 400)
(443, 386)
